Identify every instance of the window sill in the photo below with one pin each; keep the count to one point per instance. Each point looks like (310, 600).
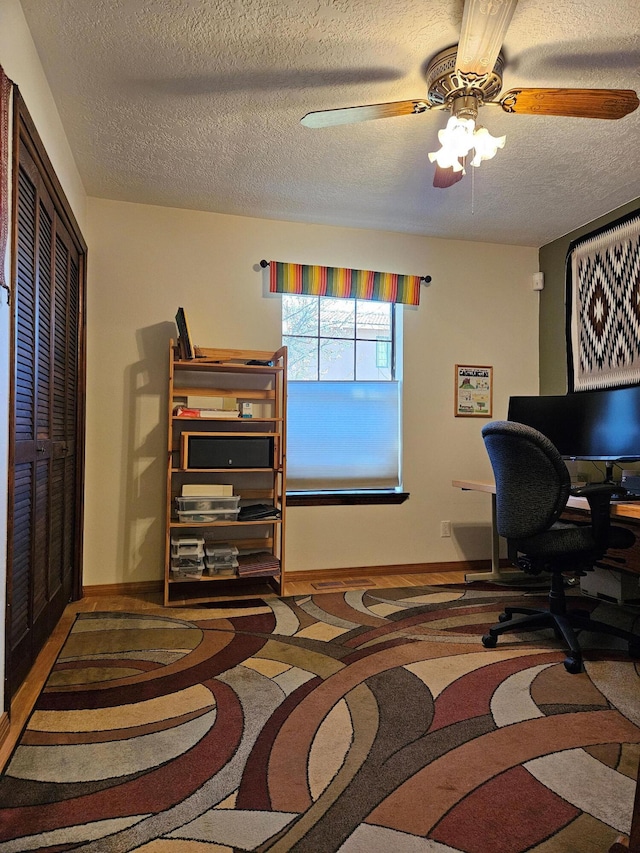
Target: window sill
(346, 498)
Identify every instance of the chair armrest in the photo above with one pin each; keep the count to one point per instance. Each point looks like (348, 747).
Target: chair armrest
(598, 496)
(597, 489)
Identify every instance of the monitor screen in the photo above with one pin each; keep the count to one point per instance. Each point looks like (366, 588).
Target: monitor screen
(587, 424)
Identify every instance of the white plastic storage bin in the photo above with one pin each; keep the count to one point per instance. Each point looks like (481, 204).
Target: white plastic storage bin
(187, 549)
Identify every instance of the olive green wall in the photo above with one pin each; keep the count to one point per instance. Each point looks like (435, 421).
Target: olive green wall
(553, 349)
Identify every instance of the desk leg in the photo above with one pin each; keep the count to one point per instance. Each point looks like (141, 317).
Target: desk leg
(496, 575)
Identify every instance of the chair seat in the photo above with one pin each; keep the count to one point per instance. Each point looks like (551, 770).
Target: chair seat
(564, 538)
(560, 539)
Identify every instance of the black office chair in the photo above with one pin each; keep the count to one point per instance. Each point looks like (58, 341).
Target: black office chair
(532, 489)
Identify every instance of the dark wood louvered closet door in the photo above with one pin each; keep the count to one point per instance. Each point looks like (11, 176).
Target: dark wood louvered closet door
(45, 513)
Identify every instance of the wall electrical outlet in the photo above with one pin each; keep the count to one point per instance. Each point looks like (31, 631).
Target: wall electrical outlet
(445, 528)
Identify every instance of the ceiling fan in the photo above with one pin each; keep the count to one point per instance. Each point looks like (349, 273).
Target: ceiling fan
(467, 76)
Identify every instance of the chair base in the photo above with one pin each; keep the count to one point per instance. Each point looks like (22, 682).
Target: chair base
(565, 624)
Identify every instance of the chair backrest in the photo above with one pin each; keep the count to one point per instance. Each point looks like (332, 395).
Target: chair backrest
(532, 480)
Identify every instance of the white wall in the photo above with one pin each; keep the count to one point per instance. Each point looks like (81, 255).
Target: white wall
(20, 62)
(146, 261)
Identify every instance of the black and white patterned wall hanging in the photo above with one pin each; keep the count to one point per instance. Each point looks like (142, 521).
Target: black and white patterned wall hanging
(603, 306)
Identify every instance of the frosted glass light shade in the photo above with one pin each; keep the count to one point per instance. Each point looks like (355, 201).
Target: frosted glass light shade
(485, 145)
(456, 140)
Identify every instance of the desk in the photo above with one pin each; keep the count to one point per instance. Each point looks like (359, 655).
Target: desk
(498, 575)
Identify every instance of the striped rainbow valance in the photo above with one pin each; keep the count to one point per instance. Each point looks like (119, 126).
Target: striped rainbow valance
(344, 283)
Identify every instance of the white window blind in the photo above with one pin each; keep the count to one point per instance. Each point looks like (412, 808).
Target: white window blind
(343, 435)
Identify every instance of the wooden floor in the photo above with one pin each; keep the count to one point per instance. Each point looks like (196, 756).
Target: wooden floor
(26, 696)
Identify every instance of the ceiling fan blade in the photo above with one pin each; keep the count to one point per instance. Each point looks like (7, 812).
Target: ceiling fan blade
(351, 115)
(484, 26)
(578, 103)
(443, 178)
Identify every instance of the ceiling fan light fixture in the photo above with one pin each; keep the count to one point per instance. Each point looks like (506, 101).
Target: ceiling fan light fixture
(459, 138)
(485, 145)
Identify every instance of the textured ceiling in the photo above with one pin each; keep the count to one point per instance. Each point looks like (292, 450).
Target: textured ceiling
(197, 104)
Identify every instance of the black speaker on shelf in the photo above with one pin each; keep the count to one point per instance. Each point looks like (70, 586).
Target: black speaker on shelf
(208, 451)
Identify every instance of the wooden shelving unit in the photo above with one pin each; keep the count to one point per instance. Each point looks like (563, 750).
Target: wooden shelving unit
(253, 376)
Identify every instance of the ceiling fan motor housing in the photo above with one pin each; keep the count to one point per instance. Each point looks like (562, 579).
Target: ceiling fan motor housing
(444, 85)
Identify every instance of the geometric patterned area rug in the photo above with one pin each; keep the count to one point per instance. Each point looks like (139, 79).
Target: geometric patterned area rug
(358, 721)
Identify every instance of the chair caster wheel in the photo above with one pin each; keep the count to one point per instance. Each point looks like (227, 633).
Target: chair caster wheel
(489, 642)
(573, 665)
(504, 617)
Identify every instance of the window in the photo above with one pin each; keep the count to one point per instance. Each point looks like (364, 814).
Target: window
(343, 393)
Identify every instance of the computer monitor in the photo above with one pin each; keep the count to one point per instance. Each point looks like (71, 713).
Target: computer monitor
(597, 425)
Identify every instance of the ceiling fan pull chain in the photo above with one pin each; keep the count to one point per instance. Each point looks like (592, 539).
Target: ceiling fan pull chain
(473, 190)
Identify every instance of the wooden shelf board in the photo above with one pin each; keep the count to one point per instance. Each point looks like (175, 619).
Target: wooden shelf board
(189, 524)
(223, 470)
(221, 579)
(184, 391)
(201, 364)
(239, 589)
(243, 421)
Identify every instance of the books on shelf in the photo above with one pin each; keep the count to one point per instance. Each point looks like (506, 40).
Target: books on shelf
(186, 412)
(255, 512)
(260, 564)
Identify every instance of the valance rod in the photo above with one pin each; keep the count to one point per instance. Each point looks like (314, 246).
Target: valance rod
(425, 278)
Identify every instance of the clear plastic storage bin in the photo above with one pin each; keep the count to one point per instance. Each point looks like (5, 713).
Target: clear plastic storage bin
(220, 553)
(202, 516)
(198, 510)
(197, 503)
(222, 567)
(187, 569)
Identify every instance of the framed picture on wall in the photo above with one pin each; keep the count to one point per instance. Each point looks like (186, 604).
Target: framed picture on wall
(473, 391)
